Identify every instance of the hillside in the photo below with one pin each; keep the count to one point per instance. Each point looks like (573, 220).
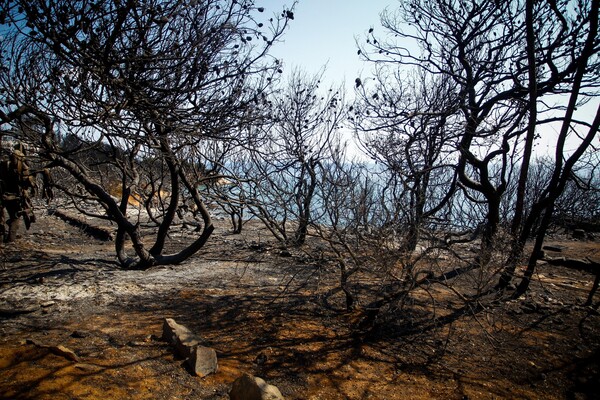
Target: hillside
(272, 313)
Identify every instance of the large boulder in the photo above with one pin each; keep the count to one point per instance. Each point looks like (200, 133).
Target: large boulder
(248, 387)
(201, 360)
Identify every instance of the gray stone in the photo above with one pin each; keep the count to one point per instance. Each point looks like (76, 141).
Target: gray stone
(203, 361)
(248, 387)
(556, 249)
(179, 336)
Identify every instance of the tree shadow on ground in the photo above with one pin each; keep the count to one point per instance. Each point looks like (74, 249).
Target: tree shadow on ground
(271, 320)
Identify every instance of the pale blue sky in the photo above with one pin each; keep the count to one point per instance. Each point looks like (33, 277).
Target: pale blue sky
(325, 32)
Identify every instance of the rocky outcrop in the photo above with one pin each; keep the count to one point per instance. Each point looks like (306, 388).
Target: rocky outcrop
(248, 387)
(201, 360)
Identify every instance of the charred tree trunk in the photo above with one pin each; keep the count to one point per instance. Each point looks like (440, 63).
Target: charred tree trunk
(305, 194)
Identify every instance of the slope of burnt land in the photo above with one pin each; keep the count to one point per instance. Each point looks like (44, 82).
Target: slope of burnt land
(276, 314)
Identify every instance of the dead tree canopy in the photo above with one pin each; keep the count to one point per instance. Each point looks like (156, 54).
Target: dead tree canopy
(134, 86)
(519, 70)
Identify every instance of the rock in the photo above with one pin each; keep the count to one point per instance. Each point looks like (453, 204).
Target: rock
(556, 249)
(59, 350)
(285, 253)
(248, 387)
(64, 352)
(579, 234)
(581, 265)
(555, 261)
(201, 360)
(260, 359)
(179, 336)
(79, 334)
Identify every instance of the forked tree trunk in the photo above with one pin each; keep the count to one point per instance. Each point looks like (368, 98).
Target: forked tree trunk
(305, 204)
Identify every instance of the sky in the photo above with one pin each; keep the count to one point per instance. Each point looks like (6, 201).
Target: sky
(324, 33)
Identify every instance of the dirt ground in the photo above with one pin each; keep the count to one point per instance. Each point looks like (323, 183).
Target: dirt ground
(272, 314)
